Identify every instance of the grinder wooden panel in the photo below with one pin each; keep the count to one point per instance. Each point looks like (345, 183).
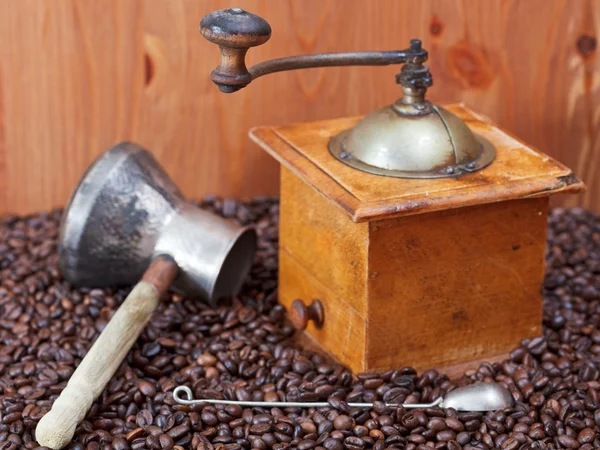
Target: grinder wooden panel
(324, 255)
(421, 272)
(323, 240)
(446, 287)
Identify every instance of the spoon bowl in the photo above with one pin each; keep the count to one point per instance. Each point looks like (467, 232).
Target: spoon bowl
(478, 397)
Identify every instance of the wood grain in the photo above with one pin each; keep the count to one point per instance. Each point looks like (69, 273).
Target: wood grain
(518, 171)
(322, 254)
(444, 287)
(459, 274)
(317, 233)
(78, 76)
(417, 272)
(343, 333)
(57, 427)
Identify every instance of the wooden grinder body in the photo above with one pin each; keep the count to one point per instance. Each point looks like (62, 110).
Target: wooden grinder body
(422, 273)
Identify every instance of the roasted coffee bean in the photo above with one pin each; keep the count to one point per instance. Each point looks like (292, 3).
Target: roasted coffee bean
(568, 442)
(134, 434)
(510, 444)
(463, 438)
(454, 424)
(343, 423)
(333, 444)
(206, 360)
(152, 442)
(410, 421)
(308, 427)
(417, 439)
(339, 405)
(353, 442)
(147, 389)
(119, 443)
(586, 436)
(178, 431)
(260, 428)
(166, 441)
(209, 418)
(242, 350)
(144, 418)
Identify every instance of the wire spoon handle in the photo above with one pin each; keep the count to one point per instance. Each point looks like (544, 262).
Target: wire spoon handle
(473, 397)
(189, 400)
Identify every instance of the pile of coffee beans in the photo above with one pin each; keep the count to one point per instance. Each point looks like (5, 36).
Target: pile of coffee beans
(242, 350)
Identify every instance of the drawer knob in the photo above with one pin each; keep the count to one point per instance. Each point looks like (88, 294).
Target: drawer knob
(302, 314)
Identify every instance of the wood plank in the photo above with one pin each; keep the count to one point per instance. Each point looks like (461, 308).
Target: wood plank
(444, 287)
(322, 239)
(76, 77)
(343, 331)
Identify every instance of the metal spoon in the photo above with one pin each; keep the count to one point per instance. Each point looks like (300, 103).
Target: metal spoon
(474, 397)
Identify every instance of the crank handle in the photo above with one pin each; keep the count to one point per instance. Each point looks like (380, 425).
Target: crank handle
(235, 31)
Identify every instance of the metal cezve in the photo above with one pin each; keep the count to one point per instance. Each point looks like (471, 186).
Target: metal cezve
(126, 211)
(127, 222)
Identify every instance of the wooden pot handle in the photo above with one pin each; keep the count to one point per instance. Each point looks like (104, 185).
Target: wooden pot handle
(56, 429)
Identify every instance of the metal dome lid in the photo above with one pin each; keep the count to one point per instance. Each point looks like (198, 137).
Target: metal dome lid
(412, 140)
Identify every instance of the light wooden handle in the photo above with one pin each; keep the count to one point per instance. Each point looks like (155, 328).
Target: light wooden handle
(55, 430)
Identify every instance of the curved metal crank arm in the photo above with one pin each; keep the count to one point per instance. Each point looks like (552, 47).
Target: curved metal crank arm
(235, 31)
(384, 58)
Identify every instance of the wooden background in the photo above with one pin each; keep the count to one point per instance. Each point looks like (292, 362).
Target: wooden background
(77, 76)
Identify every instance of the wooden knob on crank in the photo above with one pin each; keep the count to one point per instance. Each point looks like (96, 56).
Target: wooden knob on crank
(234, 31)
(301, 314)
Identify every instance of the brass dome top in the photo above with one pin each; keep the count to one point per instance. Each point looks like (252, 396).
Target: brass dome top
(432, 143)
